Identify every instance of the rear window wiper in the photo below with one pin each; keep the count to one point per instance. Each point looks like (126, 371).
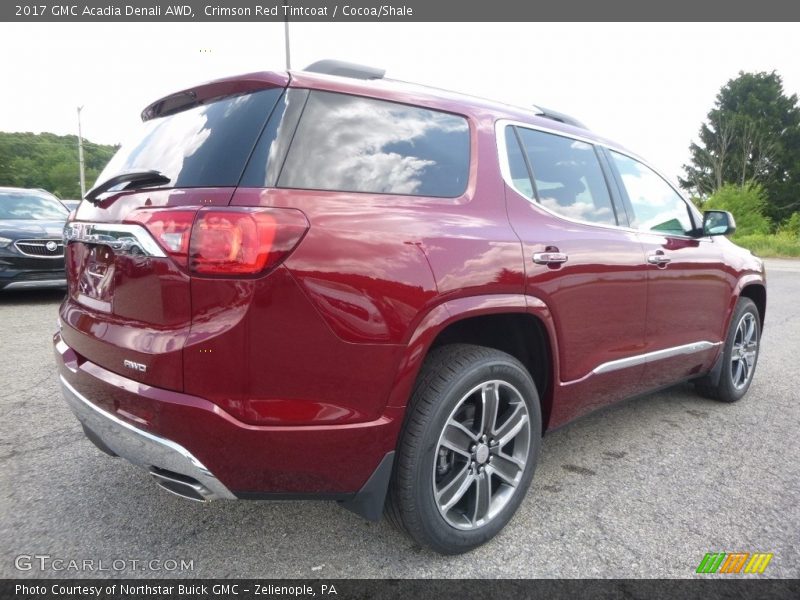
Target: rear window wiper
(141, 178)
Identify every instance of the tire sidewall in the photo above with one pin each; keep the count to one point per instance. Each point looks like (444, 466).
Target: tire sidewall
(729, 392)
(440, 534)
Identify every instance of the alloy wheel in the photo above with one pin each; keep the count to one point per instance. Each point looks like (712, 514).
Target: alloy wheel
(745, 351)
(481, 454)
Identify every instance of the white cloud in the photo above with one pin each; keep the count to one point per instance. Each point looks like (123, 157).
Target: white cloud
(647, 86)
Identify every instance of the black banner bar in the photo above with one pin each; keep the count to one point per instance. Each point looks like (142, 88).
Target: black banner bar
(711, 588)
(397, 10)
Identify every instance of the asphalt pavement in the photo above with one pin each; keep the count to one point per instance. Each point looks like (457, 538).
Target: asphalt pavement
(642, 489)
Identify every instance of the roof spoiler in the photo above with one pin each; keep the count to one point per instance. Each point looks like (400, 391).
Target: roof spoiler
(554, 115)
(345, 69)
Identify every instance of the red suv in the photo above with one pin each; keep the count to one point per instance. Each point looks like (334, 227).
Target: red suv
(331, 284)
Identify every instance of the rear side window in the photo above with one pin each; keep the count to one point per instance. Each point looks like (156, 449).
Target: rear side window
(518, 165)
(204, 146)
(567, 177)
(353, 144)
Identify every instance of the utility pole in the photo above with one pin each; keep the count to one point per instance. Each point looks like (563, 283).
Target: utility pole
(286, 36)
(80, 155)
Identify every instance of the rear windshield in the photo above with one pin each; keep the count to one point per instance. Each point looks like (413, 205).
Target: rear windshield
(14, 205)
(205, 146)
(354, 144)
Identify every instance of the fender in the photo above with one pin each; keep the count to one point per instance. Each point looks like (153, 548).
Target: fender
(743, 282)
(451, 311)
(750, 279)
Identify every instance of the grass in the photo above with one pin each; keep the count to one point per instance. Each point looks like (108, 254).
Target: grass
(775, 245)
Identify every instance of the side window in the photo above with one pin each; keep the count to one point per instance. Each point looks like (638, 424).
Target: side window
(656, 206)
(518, 170)
(354, 144)
(567, 177)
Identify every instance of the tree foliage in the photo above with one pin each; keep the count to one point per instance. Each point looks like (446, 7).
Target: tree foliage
(751, 134)
(746, 203)
(49, 161)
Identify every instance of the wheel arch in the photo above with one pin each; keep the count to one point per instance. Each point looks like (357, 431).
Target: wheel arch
(757, 292)
(518, 324)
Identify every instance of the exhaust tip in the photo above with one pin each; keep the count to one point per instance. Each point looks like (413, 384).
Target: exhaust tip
(181, 485)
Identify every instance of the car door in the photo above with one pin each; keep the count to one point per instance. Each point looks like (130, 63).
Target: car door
(588, 270)
(689, 288)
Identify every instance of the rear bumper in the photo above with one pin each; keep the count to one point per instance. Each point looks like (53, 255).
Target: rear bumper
(141, 447)
(172, 432)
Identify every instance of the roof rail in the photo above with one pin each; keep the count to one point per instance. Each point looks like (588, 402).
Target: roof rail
(345, 69)
(558, 116)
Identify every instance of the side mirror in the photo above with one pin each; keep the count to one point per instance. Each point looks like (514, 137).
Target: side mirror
(718, 222)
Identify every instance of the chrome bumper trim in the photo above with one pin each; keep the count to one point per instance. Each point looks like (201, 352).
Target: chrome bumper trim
(41, 283)
(141, 447)
(124, 238)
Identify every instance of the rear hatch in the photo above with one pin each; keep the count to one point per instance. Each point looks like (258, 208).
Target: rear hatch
(128, 307)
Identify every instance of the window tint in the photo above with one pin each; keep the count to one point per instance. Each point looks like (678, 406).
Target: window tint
(568, 177)
(656, 206)
(14, 205)
(354, 144)
(267, 158)
(204, 146)
(516, 165)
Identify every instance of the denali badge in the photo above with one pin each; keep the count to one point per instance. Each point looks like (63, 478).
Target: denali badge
(129, 364)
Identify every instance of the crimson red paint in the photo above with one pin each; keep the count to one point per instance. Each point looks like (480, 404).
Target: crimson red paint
(283, 330)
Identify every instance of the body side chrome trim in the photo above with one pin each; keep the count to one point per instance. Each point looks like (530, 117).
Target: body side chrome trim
(640, 359)
(139, 446)
(127, 238)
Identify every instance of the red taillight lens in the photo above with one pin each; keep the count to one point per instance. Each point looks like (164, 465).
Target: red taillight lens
(171, 228)
(225, 241)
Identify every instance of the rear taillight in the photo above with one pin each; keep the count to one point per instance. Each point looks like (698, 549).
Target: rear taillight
(225, 241)
(171, 228)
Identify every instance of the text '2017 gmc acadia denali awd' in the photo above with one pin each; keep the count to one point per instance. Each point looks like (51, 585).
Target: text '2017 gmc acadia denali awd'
(341, 286)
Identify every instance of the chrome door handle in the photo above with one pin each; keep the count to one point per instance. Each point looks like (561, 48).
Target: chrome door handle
(658, 259)
(549, 258)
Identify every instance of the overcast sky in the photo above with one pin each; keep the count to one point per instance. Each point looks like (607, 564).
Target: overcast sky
(647, 86)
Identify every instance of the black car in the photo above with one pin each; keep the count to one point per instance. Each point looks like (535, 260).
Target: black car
(31, 239)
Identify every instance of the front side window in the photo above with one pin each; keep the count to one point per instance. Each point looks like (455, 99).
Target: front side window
(354, 144)
(567, 177)
(656, 206)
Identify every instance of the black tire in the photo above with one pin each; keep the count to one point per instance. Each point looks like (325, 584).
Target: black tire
(731, 385)
(444, 385)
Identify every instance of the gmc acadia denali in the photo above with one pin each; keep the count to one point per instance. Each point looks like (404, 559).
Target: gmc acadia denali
(330, 284)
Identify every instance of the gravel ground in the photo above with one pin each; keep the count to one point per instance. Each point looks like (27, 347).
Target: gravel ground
(641, 489)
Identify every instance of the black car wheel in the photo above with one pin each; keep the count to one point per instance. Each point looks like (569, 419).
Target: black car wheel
(739, 357)
(468, 449)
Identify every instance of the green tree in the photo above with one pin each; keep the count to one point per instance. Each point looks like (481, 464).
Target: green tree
(49, 161)
(751, 134)
(792, 225)
(746, 203)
